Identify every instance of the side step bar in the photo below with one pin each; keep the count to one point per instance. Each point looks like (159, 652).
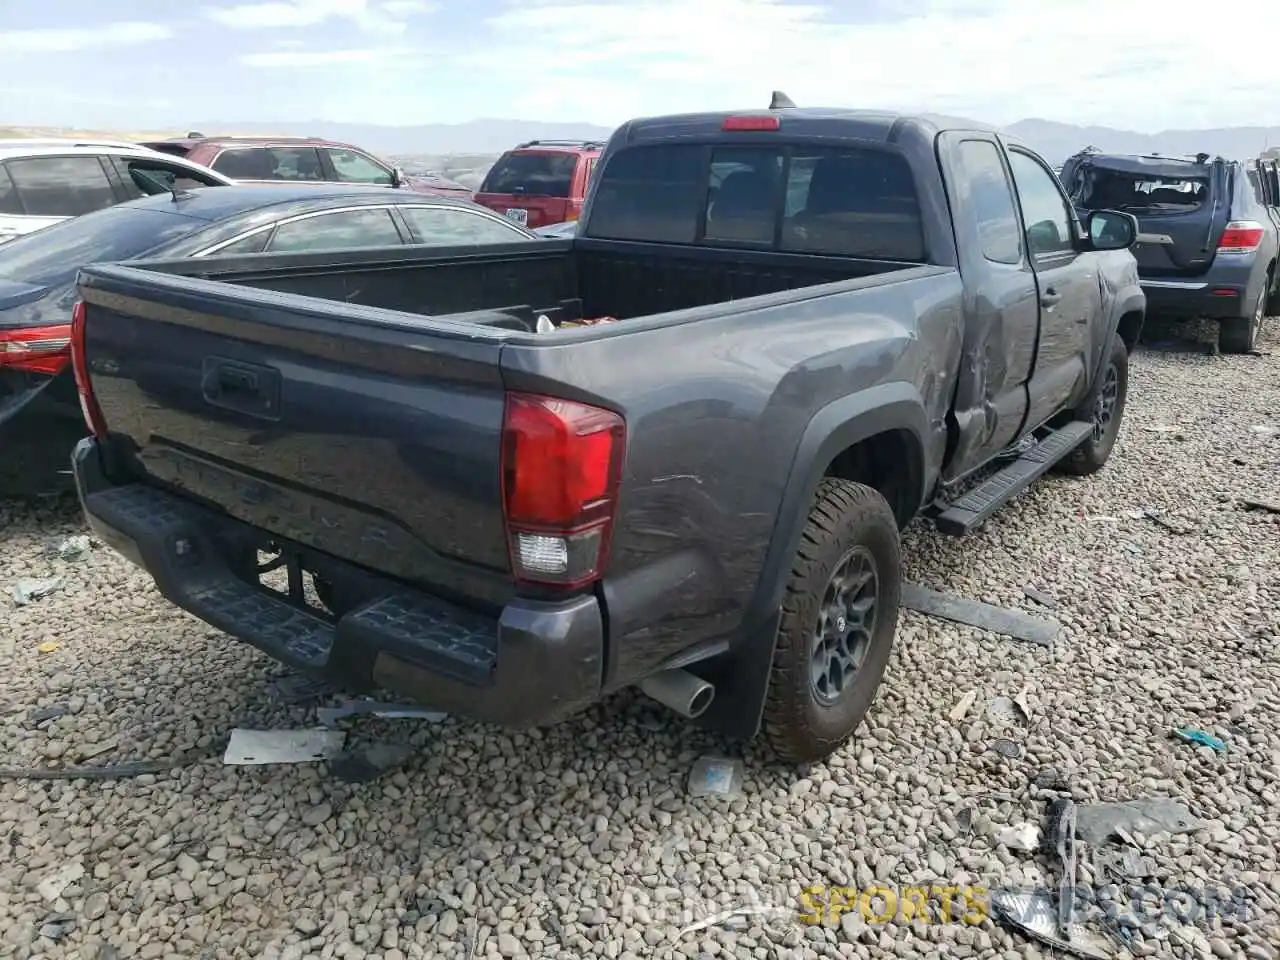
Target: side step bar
(976, 507)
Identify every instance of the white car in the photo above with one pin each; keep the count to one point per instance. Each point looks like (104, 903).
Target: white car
(46, 181)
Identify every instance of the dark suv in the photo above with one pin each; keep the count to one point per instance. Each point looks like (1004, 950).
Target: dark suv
(300, 159)
(1210, 232)
(541, 182)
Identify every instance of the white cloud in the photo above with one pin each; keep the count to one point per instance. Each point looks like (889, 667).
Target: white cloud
(1130, 64)
(385, 18)
(127, 33)
(319, 58)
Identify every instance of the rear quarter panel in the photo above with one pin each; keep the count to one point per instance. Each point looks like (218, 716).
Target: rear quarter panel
(716, 414)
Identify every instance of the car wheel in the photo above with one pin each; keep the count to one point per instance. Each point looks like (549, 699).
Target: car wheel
(1105, 414)
(839, 615)
(1240, 335)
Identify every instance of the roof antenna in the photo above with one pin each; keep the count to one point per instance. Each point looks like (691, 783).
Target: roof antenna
(780, 101)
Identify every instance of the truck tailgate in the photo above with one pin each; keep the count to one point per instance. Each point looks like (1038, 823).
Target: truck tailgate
(351, 430)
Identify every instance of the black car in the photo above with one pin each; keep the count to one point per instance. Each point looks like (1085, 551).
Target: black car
(40, 419)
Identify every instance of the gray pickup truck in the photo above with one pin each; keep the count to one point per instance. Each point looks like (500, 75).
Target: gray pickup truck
(778, 337)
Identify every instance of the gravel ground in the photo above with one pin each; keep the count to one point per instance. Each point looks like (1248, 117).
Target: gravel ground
(582, 840)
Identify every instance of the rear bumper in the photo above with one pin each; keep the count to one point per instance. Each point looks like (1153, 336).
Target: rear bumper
(1221, 294)
(535, 664)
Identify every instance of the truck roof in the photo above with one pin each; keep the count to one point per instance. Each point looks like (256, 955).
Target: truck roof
(834, 122)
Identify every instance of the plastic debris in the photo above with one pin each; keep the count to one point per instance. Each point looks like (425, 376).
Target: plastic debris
(1098, 822)
(1124, 863)
(76, 547)
(294, 689)
(1032, 592)
(368, 762)
(51, 887)
(1006, 748)
(1036, 916)
(30, 590)
(544, 324)
(1006, 712)
(1022, 836)
(328, 716)
(1200, 739)
(716, 777)
(48, 646)
(255, 747)
(961, 708)
(1001, 620)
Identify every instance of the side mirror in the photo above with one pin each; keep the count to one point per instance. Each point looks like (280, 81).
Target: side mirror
(1112, 230)
(397, 177)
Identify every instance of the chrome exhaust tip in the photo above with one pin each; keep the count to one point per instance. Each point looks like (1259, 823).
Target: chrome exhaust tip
(681, 691)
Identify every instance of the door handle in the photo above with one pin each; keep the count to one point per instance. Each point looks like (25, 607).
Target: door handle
(1050, 298)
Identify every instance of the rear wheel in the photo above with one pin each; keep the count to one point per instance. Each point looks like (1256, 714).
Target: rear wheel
(839, 615)
(1240, 335)
(1105, 415)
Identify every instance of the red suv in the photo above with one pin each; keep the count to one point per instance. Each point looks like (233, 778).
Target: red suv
(294, 159)
(541, 182)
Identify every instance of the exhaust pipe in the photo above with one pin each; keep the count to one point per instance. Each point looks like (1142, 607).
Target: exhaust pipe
(680, 690)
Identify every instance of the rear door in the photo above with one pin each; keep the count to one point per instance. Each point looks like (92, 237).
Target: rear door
(44, 190)
(531, 187)
(1068, 292)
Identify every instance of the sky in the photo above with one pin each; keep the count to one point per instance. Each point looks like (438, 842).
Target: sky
(144, 65)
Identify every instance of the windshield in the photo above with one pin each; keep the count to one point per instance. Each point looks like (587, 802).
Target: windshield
(1098, 188)
(532, 174)
(116, 233)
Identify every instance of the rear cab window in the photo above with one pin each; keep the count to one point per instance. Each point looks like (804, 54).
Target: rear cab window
(61, 186)
(834, 200)
(270, 163)
(532, 173)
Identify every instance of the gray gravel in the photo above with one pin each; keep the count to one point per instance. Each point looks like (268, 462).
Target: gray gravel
(581, 841)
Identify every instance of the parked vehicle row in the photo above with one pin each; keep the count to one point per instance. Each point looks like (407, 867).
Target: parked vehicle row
(1209, 234)
(702, 497)
(40, 418)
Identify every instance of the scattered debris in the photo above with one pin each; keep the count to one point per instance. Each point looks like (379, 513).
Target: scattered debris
(58, 925)
(961, 708)
(1152, 514)
(51, 887)
(964, 820)
(1050, 779)
(1006, 748)
(1036, 915)
(296, 689)
(30, 590)
(716, 776)
(1123, 863)
(1039, 596)
(72, 548)
(49, 646)
(254, 747)
(1020, 700)
(1200, 738)
(1264, 429)
(1008, 712)
(738, 913)
(1062, 836)
(1001, 620)
(1098, 822)
(1022, 836)
(328, 716)
(1267, 506)
(114, 771)
(368, 762)
(51, 712)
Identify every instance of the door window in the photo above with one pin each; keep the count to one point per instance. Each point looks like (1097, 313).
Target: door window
(991, 199)
(270, 163)
(1046, 218)
(344, 230)
(61, 186)
(9, 202)
(438, 225)
(352, 167)
(146, 178)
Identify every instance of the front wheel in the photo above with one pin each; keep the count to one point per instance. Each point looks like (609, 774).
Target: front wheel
(1105, 415)
(1240, 335)
(839, 616)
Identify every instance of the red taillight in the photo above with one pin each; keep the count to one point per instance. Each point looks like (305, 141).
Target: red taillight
(1241, 236)
(561, 468)
(764, 121)
(93, 418)
(573, 211)
(44, 350)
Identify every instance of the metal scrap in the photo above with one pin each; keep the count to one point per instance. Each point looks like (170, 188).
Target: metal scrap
(328, 716)
(1006, 748)
(1032, 592)
(1036, 915)
(368, 762)
(29, 590)
(716, 777)
(256, 747)
(974, 613)
(1062, 834)
(1267, 506)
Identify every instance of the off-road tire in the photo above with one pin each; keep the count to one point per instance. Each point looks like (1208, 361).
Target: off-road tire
(1092, 455)
(1240, 334)
(845, 515)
